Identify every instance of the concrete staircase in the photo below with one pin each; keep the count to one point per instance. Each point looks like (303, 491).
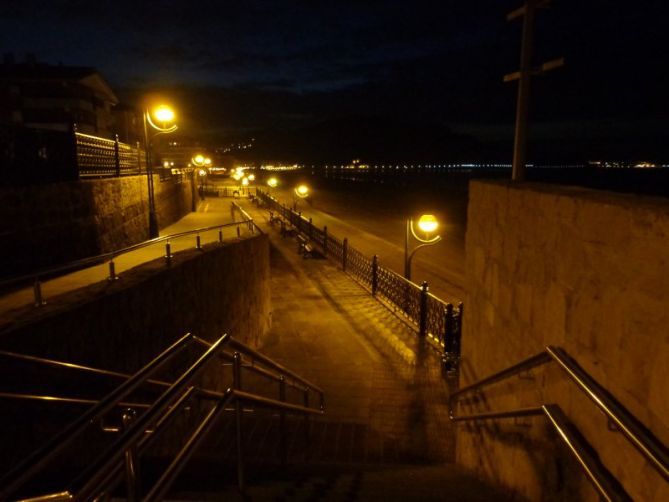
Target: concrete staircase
(344, 461)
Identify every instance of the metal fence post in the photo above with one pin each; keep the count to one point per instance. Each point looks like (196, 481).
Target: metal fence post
(131, 465)
(449, 340)
(422, 325)
(344, 253)
(139, 158)
(375, 274)
(237, 385)
(325, 241)
(458, 331)
(117, 159)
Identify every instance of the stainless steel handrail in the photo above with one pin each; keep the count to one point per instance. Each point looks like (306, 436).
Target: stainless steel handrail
(73, 366)
(599, 476)
(103, 474)
(26, 469)
(269, 362)
(106, 462)
(65, 400)
(168, 477)
(113, 254)
(651, 448)
(246, 216)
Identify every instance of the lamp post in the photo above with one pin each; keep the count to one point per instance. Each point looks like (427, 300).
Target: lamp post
(164, 115)
(427, 224)
(300, 192)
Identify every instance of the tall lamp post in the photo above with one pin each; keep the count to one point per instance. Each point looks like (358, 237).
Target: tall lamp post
(164, 115)
(428, 224)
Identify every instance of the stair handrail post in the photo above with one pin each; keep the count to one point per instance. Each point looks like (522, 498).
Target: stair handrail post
(132, 477)
(37, 292)
(237, 385)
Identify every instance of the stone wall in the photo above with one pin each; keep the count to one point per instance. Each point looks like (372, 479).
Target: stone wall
(122, 325)
(584, 270)
(79, 219)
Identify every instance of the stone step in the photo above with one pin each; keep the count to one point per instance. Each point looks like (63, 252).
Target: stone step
(399, 482)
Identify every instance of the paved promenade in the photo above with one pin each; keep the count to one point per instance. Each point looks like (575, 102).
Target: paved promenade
(210, 212)
(386, 397)
(372, 366)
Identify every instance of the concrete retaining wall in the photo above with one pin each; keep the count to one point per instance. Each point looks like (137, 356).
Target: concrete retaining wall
(51, 224)
(124, 324)
(584, 270)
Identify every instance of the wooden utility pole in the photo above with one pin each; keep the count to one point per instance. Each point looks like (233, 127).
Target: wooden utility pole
(526, 71)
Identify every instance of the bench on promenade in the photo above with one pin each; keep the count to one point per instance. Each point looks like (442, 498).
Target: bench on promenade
(287, 229)
(304, 247)
(273, 218)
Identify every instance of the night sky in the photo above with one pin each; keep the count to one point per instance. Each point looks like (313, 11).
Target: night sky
(273, 68)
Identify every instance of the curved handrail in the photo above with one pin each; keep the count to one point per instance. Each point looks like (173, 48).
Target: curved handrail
(634, 431)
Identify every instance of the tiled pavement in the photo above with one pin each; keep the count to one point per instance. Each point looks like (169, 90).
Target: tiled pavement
(375, 372)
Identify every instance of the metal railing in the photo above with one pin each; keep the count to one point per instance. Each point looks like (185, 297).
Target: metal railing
(435, 319)
(37, 277)
(104, 157)
(651, 448)
(120, 461)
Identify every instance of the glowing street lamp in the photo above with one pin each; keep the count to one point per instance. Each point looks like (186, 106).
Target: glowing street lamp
(300, 192)
(164, 115)
(272, 183)
(428, 224)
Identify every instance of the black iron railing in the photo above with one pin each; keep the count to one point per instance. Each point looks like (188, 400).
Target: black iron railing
(435, 319)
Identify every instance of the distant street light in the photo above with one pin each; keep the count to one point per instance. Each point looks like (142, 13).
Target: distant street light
(163, 114)
(300, 192)
(203, 163)
(427, 224)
